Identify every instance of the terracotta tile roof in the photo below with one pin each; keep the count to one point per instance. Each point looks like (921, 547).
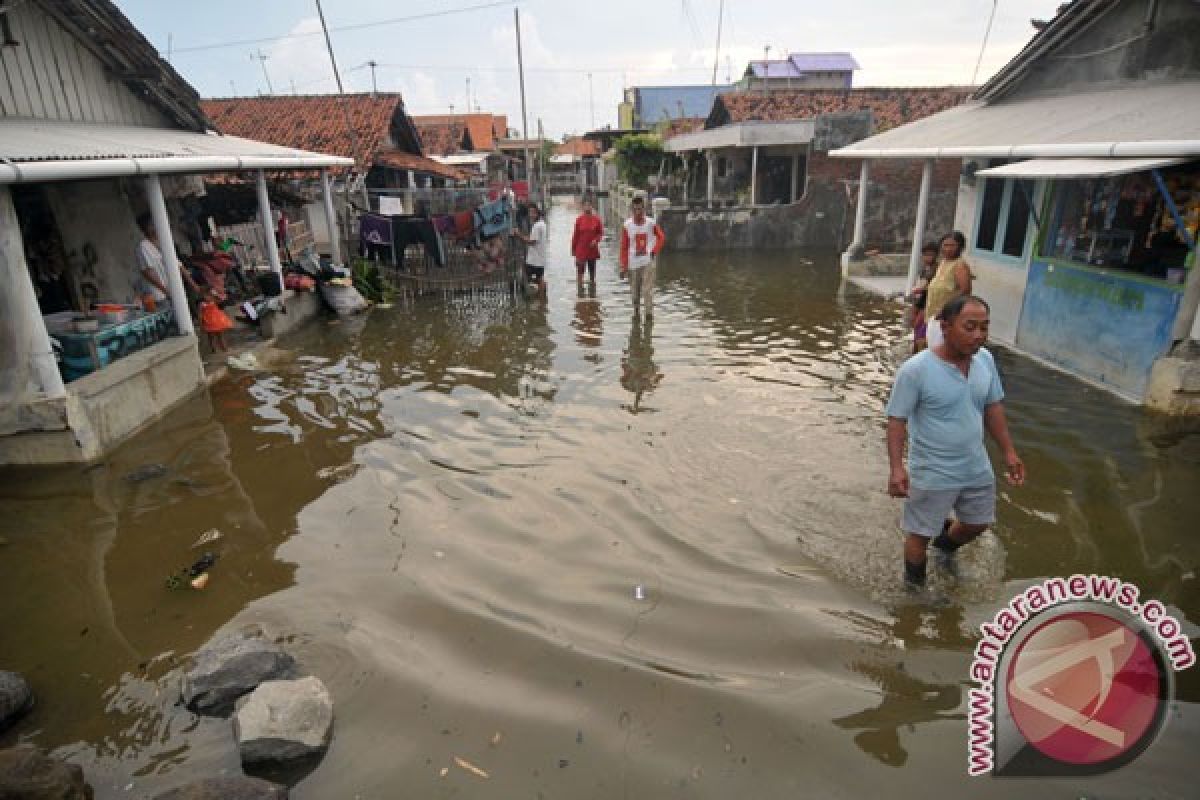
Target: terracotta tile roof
(318, 122)
(485, 129)
(518, 145)
(890, 107)
(443, 138)
(682, 125)
(578, 146)
(398, 159)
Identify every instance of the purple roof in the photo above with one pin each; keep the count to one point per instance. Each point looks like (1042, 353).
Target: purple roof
(774, 69)
(823, 62)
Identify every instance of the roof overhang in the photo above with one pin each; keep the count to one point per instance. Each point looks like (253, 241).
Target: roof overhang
(1158, 121)
(42, 151)
(744, 134)
(1077, 167)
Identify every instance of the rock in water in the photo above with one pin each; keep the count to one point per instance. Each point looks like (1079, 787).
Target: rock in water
(232, 788)
(284, 720)
(15, 698)
(231, 667)
(29, 774)
(146, 472)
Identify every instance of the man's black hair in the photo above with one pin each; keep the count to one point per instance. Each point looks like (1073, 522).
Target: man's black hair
(143, 222)
(639, 200)
(929, 247)
(955, 307)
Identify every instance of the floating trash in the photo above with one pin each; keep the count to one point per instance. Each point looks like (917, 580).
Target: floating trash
(208, 537)
(146, 472)
(639, 592)
(469, 767)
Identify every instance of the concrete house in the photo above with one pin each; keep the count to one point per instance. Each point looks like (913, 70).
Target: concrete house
(800, 71)
(1080, 195)
(97, 129)
(758, 173)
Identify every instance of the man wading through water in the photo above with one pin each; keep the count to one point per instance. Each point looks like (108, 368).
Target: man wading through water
(641, 241)
(943, 400)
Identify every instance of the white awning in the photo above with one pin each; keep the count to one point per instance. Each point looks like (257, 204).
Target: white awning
(39, 151)
(1156, 121)
(1077, 167)
(563, 158)
(744, 134)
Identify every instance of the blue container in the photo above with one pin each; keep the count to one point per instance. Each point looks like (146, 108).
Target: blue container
(84, 353)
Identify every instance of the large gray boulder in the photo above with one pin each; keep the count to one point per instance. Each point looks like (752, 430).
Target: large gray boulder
(284, 721)
(238, 787)
(15, 698)
(27, 773)
(229, 668)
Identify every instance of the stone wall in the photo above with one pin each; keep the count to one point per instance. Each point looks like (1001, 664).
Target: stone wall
(824, 217)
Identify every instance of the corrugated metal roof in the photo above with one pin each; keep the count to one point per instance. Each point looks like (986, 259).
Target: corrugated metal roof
(781, 68)
(824, 62)
(1141, 120)
(1077, 167)
(40, 150)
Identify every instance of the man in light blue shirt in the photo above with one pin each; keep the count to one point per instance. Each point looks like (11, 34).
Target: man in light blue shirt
(942, 401)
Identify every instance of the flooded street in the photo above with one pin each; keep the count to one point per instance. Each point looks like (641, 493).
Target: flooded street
(592, 557)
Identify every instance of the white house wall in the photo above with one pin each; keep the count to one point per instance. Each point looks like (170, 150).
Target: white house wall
(50, 75)
(1000, 282)
(98, 213)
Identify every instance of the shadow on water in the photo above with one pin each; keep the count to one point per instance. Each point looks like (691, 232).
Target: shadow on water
(591, 555)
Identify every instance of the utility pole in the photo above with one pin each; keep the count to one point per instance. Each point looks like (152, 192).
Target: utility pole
(374, 87)
(170, 41)
(766, 68)
(232, 89)
(524, 114)
(337, 77)
(717, 55)
(261, 58)
(468, 94)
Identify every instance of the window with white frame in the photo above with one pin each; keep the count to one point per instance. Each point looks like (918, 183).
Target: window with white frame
(1004, 217)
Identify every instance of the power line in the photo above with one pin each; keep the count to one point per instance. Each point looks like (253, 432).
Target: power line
(353, 27)
(987, 32)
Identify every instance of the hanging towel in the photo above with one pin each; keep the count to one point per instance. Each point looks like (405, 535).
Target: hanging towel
(415, 230)
(494, 218)
(464, 224)
(374, 229)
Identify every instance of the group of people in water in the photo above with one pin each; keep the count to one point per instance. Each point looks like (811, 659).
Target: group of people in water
(641, 241)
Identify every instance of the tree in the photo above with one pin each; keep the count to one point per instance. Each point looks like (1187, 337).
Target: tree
(639, 155)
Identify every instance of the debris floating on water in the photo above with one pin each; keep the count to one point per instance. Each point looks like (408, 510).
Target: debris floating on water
(200, 581)
(209, 536)
(639, 592)
(469, 767)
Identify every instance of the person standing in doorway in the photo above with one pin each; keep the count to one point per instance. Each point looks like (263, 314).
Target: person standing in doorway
(943, 401)
(535, 253)
(641, 242)
(585, 242)
(152, 270)
(952, 279)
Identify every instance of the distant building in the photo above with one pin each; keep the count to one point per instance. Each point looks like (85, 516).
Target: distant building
(801, 71)
(646, 106)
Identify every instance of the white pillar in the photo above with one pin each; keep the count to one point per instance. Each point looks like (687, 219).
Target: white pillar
(166, 244)
(335, 234)
(24, 315)
(264, 212)
(914, 261)
(860, 211)
(754, 176)
(795, 177)
(712, 175)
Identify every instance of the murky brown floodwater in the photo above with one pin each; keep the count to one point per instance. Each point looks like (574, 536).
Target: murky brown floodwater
(446, 508)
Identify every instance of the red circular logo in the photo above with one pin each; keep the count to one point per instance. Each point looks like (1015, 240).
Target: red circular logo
(1084, 688)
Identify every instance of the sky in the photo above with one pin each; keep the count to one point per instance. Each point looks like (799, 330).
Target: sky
(578, 55)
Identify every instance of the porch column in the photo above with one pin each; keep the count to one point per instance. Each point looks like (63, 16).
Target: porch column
(754, 176)
(795, 176)
(860, 217)
(914, 260)
(712, 174)
(26, 318)
(264, 212)
(166, 244)
(335, 235)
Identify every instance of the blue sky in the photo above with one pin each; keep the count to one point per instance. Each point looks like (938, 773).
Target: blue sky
(619, 42)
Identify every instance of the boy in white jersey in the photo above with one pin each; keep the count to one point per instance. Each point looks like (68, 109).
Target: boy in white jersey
(641, 241)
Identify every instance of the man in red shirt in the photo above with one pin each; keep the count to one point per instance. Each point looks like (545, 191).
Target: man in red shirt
(585, 242)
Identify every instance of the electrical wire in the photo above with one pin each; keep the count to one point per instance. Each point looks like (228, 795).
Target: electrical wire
(340, 28)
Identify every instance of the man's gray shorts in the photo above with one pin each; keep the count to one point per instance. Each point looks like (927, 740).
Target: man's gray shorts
(926, 510)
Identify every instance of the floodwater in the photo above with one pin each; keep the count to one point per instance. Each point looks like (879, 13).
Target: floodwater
(591, 557)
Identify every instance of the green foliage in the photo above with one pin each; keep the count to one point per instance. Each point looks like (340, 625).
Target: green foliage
(639, 155)
(371, 282)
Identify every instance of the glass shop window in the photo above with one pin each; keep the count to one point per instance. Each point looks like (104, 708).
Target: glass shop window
(1004, 217)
